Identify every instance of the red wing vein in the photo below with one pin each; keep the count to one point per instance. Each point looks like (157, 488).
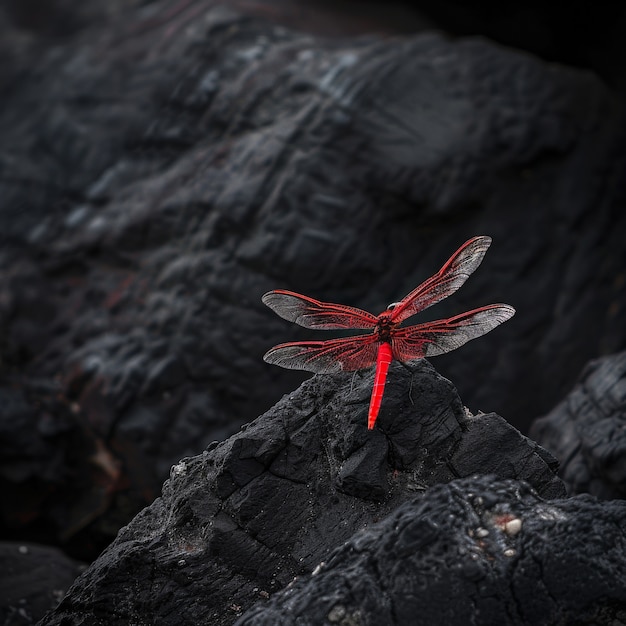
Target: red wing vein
(326, 357)
(446, 281)
(441, 336)
(311, 313)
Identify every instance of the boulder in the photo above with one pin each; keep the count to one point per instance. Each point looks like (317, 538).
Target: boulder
(33, 579)
(238, 522)
(474, 551)
(586, 430)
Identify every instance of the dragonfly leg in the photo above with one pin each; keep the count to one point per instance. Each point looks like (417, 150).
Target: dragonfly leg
(411, 383)
(352, 383)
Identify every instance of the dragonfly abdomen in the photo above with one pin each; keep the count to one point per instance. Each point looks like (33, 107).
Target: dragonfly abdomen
(383, 361)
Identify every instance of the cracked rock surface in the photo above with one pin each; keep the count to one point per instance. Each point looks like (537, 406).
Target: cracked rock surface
(180, 159)
(473, 551)
(237, 523)
(587, 430)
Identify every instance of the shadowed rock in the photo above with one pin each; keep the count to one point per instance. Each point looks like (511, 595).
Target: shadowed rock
(586, 431)
(240, 521)
(474, 551)
(33, 579)
(180, 159)
(54, 467)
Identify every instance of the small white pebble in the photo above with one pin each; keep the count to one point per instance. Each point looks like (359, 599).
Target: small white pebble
(182, 562)
(512, 527)
(318, 569)
(509, 552)
(23, 549)
(180, 469)
(482, 532)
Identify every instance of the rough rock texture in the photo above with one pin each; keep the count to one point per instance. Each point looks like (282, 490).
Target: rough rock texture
(474, 551)
(587, 431)
(178, 159)
(239, 521)
(55, 470)
(33, 579)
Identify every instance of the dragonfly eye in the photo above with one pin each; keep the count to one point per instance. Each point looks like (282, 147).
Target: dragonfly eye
(392, 306)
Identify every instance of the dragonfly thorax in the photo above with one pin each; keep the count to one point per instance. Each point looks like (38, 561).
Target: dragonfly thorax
(385, 325)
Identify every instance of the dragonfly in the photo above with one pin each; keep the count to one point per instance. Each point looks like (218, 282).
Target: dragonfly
(388, 339)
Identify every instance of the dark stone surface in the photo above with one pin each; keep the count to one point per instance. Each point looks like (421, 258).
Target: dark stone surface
(589, 36)
(240, 521)
(164, 166)
(33, 579)
(586, 36)
(56, 474)
(458, 555)
(587, 431)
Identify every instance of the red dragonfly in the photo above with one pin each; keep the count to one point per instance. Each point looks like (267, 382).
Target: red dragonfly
(388, 340)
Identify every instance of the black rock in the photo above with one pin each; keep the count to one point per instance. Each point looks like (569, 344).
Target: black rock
(56, 474)
(586, 430)
(240, 521)
(162, 169)
(33, 579)
(474, 551)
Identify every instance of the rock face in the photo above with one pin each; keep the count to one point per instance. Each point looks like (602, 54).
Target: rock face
(33, 579)
(474, 551)
(178, 161)
(586, 431)
(54, 470)
(240, 521)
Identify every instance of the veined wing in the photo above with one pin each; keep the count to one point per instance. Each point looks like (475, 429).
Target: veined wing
(311, 313)
(441, 336)
(326, 357)
(446, 281)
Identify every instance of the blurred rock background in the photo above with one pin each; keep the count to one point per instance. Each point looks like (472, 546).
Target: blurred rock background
(163, 164)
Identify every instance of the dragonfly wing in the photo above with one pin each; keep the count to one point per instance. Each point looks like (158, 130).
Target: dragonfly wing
(441, 336)
(326, 357)
(311, 313)
(446, 281)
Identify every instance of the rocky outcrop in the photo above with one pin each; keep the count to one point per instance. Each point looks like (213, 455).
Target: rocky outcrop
(237, 523)
(164, 168)
(586, 430)
(474, 551)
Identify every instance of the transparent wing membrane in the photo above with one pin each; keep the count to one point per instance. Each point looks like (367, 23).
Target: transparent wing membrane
(311, 313)
(441, 336)
(326, 357)
(446, 281)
